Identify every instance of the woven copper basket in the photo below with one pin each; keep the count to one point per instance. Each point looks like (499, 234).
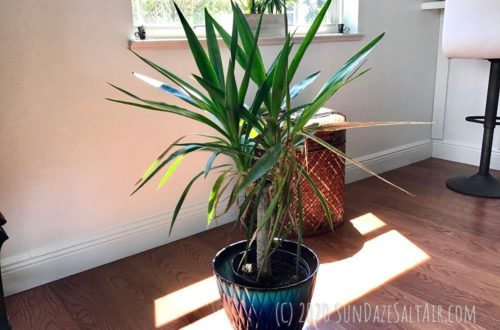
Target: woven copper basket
(327, 170)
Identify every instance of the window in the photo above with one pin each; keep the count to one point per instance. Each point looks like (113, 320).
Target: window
(160, 19)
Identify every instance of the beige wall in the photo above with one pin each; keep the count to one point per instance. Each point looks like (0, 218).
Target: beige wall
(69, 158)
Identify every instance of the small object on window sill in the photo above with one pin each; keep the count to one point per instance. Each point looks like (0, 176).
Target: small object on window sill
(341, 28)
(141, 33)
(181, 43)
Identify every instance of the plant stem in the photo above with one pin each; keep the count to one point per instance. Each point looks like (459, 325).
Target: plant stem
(263, 263)
(252, 7)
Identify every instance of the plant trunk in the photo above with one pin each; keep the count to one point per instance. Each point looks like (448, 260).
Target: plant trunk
(263, 264)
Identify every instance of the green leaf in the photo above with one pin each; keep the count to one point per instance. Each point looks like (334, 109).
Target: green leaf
(280, 83)
(234, 40)
(217, 147)
(213, 197)
(186, 150)
(232, 102)
(158, 159)
(171, 170)
(300, 86)
(226, 37)
(248, 42)
(261, 95)
(199, 55)
(319, 194)
(308, 38)
(215, 92)
(287, 114)
(199, 97)
(180, 202)
(213, 48)
(166, 88)
(231, 91)
(234, 195)
(250, 119)
(210, 162)
(249, 197)
(160, 106)
(261, 166)
(336, 81)
(221, 192)
(352, 64)
(300, 222)
(248, 70)
(258, 73)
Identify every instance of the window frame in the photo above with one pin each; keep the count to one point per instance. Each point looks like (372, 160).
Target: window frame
(158, 32)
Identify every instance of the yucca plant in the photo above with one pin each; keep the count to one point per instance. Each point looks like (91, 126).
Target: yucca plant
(260, 133)
(265, 6)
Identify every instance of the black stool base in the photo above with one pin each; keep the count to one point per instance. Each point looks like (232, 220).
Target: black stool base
(483, 184)
(477, 185)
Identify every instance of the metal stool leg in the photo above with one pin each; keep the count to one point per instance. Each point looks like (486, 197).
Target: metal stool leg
(483, 184)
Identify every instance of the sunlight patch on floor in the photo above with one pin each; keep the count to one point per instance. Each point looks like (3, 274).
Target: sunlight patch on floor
(380, 260)
(338, 283)
(184, 301)
(367, 223)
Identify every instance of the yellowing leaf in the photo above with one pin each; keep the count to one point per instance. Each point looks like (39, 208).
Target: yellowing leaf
(253, 134)
(171, 170)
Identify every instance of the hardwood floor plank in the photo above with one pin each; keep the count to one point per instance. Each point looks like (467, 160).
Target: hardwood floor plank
(38, 308)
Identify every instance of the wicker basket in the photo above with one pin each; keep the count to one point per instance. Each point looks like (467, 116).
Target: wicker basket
(327, 170)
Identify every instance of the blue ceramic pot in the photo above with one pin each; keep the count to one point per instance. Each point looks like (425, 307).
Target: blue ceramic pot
(254, 307)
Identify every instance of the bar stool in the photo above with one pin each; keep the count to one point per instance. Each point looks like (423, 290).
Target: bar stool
(471, 29)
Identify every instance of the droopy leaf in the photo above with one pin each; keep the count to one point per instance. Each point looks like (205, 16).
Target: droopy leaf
(261, 166)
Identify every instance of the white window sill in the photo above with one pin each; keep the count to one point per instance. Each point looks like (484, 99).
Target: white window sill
(165, 44)
(432, 5)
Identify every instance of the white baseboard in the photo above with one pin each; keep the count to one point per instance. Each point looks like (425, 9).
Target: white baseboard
(40, 266)
(390, 159)
(44, 265)
(462, 153)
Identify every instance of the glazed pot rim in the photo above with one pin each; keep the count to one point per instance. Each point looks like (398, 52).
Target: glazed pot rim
(274, 288)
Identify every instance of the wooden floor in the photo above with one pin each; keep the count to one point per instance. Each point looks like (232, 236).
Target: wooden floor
(430, 261)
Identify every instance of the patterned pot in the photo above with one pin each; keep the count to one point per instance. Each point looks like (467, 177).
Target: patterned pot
(253, 307)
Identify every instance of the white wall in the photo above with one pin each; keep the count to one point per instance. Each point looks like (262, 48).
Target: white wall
(69, 158)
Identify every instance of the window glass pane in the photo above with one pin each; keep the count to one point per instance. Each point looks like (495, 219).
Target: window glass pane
(303, 12)
(162, 12)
